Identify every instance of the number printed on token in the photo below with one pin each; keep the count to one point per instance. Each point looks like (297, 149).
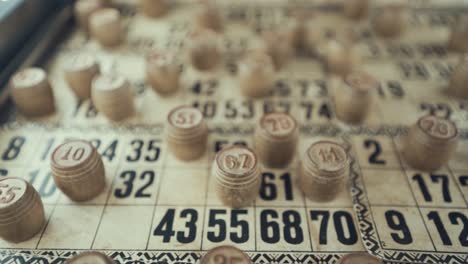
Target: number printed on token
(328, 155)
(225, 255)
(11, 190)
(438, 127)
(185, 117)
(72, 153)
(278, 124)
(236, 160)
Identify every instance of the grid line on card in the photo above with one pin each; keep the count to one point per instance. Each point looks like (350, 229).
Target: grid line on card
(205, 205)
(452, 175)
(412, 193)
(163, 172)
(47, 223)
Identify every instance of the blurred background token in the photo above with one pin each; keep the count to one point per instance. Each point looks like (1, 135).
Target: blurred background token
(356, 9)
(353, 97)
(324, 170)
(163, 72)
(204, 50)
(79, 73)
(225, 255)
(92, 257)
(21, 210)
(154, 8)
(430, 143)
(112, 96)
(459, 35)
(186, 133)
(256, 74)
(106, 27)
(359, 258)
(276, 136)
(83, 10)
(278, 45)
(236, 172)
(209, 16)
(31, 92)
(78, 170)
(390, 20)
(458, 86)
(338, 57)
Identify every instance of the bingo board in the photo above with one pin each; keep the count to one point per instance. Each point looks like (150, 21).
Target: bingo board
(156, 209)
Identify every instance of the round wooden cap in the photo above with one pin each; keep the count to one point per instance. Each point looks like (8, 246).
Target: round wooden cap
(185, 117)
(361, 82)
(109, 82)
(225, 254)
(72, 155)
(328, 156)
(278, 125)
(438, 128)
(359, 258)
(28, 78)
(80, 62)
(90, 258)
(237, 161)
(105, 17)
(12, 189)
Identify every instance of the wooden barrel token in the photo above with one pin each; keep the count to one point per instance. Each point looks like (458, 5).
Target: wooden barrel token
(204, 50)
(225, 255)
(324, 170)
(31, 92)
(163, 72)
(21, 210)
(112, 96)
(78, 170)
(356, 9)
(154, 8)
(359, 258)
(186, 133)
(339, 58)
(209, 16)
(236, 173)
(106, 27)
(83, 10)
(276, 45)
(256, 74)
(390, 21)
(430, 143)
(459, 79)
(276, 137)
(92, 257)
(80, 72)
(353, 97)
(458, 40)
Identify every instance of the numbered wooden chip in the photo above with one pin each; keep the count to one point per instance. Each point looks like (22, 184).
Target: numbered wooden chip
(106, 27)
(256, 74)
(225, 255)
(78, 170)
(430, 143)
(328, 156)
(278, 125)
(186, 133)
(237, 161)
(79, 73)
(359, 258)
(339, 58)
(204, 51)
(163, 72)
(21, 210)
(92, 257)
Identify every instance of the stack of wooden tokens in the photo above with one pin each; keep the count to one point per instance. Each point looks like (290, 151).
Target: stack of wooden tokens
(163, 72)
(78, 170)
(430, 143)
(276, 137)
(186, 133)
(390, 21)
(32, 93)
(80, 72)
(225, 255)
(209, 16)
(236, 173)
(276, 45)
(356, 9)
(324, 170)
(92, 257)
(154, 8)
(106, 27)
(459, 79)
(83, 10)
(256, 74)
(359, 258)
(21, 210)
(112, 96)
(459, 36)
(204, 50)
(353, 97)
